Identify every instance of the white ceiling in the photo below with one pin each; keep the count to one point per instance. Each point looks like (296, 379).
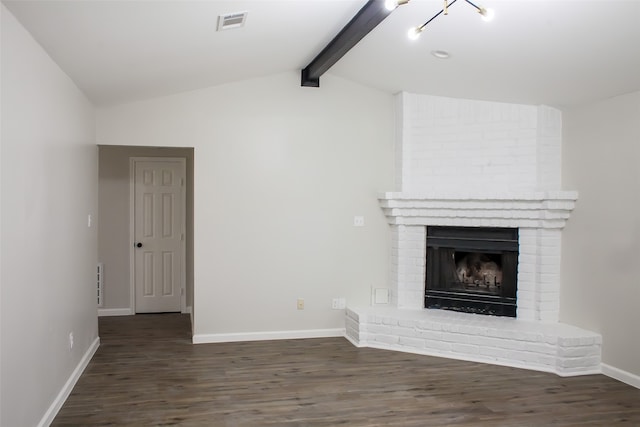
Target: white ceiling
(560, 53)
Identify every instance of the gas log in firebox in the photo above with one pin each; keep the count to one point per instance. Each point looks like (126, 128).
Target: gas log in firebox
(472, 269)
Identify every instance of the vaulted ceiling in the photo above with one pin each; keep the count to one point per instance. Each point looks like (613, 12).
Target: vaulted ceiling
(561, 53)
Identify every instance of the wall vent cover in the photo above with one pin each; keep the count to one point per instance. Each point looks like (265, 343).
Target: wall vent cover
(100, 283)
(232, 20)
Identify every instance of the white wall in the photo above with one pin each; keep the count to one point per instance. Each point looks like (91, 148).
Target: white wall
(49, 182)
(279, 173)
(601, 243)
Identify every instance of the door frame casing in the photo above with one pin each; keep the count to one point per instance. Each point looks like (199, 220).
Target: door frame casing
(183, 232)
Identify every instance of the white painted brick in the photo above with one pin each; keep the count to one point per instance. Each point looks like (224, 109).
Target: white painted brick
(417, 278)
(411, 342)
(548, 297)
(464, 348)
(576, 362)
(410, 304)
(412, 286)
(453, 337)
(581, 351)
(402, 332)
(366, 336)
(431, 335)
(412, 269)
(550, 266)
(485, 135)
(414, 296)
(386, 339)
(585, 340)
(548, 360)
(437, 345)
(392, 321)
(351, 324)
(547, 278)
(353, 315)
(430, 326)
(549, 306)
(523, 356)
(548, 316)
(507, 344)
(377, 329)
(526, 235)
(509, 338)
(484, 341)
(491, 352)
(472, 330)
(502, 147)
(413, 253)
(526, 314)
(525, 302)
(528, 249)
(540, 348)
(550, 251)
(407, 323)
(528, 258)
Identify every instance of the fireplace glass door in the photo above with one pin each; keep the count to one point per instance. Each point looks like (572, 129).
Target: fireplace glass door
(472, 269)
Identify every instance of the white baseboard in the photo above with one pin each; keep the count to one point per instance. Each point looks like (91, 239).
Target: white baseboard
(353, 341)
(53, 410)
(115, 312)
(620, 375)
(265, 336)
(188, 310)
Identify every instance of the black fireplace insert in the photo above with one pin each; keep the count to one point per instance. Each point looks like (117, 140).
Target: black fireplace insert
(472, 269)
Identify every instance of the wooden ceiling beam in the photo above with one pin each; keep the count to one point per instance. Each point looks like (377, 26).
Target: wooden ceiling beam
(371, 14)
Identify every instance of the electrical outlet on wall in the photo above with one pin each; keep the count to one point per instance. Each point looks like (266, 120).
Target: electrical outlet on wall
(300, 303)
(70, 340)
(338, 303)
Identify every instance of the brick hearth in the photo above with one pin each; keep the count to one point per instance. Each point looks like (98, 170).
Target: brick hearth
(550, 347)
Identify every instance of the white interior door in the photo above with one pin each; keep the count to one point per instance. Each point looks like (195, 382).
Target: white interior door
(158, 234)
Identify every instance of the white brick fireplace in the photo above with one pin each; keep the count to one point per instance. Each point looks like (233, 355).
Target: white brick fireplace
(478, 164)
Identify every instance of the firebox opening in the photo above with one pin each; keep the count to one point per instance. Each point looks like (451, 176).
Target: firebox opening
(476, 270)
(472, 269)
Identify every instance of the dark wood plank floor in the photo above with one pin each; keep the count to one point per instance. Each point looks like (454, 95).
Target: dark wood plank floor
(147, 373)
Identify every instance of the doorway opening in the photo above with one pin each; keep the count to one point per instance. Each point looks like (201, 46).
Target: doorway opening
(116, 240)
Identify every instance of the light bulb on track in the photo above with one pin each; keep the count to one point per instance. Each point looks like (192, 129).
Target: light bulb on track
(414, 33)
(487, 14)
(390, 4)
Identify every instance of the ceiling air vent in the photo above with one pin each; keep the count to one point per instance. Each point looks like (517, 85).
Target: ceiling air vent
(231, 20)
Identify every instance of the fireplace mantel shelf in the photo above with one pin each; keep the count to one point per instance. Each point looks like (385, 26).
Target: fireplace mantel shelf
(524, 210)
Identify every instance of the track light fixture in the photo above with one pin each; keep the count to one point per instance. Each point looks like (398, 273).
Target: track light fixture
(486, 13)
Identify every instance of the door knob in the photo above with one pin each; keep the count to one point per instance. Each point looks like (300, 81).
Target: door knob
(138, 245)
